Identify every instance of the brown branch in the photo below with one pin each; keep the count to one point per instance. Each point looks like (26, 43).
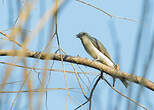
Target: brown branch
(48, 69)
(91, 94)
(82, 61)
(110, 15)
(124, 95)
(36, 90)
(11, 39)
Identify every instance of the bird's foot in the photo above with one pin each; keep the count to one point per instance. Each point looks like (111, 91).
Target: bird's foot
(96, 60)
(78, 56)
(37, 54)
(117, 67)
(114, 81)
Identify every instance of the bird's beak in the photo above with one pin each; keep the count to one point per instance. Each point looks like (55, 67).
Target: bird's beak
(78, 36)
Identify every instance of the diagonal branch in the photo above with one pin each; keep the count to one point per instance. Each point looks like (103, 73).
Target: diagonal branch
(110, 15)
(82, 61)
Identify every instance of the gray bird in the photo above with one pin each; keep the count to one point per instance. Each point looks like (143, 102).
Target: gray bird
(96, 50)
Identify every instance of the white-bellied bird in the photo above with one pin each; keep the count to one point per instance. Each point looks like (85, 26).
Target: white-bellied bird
(96, 50)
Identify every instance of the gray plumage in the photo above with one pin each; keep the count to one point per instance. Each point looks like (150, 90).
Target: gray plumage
(96, 50)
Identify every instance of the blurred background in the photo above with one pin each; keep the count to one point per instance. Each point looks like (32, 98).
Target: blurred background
(128, 35)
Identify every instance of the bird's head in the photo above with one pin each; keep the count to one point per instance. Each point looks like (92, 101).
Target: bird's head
(82, 34)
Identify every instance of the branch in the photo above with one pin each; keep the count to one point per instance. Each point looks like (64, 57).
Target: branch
(110, 15)
(82, 61)
(36, 90)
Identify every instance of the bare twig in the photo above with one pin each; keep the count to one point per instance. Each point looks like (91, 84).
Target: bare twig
(48, 69)
(91, 94)
(110, 15)
(36, 90)
(76, 75)
(124, 95)
(12, 40)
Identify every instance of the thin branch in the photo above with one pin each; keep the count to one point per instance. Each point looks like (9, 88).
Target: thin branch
(76, 75)
(124, 95)
(91, 94)
(48, 69)
(50, 12)
(12, 40)
(82, 61)
(110, 15)
(85, 77)
(14, 82)
(36, 90)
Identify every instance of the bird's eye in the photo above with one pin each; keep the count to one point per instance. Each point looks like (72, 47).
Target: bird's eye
(84, 33)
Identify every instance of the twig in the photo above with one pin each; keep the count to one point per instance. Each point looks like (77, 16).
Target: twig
(91, 94)
(48, 69)
(128, 19)
(79, 82)
(11, 39)
(36, 90)
(124, 95)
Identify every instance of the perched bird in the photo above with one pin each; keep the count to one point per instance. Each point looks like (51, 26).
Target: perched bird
(96, 50)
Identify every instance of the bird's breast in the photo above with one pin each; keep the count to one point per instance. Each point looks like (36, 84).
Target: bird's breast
(95, 53)
(89, 48)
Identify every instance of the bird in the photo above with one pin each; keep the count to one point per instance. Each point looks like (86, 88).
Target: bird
(97, 51)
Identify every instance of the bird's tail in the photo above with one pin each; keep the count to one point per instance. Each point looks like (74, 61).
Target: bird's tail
(122, 79)
(124, 82)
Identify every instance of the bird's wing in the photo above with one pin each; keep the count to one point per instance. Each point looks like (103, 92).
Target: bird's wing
(100, 47)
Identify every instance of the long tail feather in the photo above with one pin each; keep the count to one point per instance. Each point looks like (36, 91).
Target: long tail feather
(122, 80)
